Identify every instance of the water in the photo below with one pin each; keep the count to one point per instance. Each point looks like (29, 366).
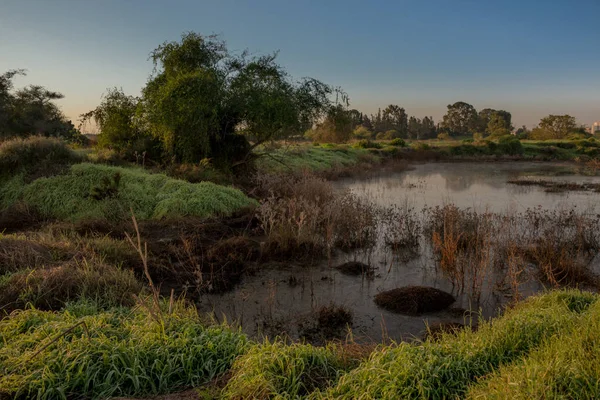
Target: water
(281, 299)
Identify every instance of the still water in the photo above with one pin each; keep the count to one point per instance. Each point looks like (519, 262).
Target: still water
(281, 299)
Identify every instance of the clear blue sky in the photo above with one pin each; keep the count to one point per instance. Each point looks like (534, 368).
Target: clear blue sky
(531, 58)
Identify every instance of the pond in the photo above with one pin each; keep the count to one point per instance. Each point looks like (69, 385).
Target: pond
(283, 298)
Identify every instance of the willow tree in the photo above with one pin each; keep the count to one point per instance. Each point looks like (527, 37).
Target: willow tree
(202, 101)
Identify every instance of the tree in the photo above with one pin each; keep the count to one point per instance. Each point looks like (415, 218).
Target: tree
(499, 123)
(116, 116)
(337, 126)
(460, 119)
(395, 118)
(554, 127)
(204, 102)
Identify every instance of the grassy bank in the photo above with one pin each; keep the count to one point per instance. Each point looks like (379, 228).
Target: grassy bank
(90, 191)
(545, 347)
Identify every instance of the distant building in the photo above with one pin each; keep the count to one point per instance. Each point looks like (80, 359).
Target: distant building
(595, 128)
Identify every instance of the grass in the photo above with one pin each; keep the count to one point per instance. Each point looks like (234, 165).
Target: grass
(277, 370)
(84, 352)
(445, 369)
(90, 191)
(566, 367)
(314, 158)
(36, 156)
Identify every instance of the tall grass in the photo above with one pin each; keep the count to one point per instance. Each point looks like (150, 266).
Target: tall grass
(93, 191)
(35, 155)
(83, 352)
(445, 369)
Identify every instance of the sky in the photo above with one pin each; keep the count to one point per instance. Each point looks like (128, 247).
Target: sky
(531, 58)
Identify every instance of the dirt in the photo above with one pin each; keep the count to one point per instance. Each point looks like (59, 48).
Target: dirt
(414, 300)
(355, 268)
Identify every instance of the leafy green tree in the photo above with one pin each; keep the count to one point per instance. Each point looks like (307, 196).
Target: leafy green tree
(204, 102)
(460, 119)
(395, 118)
(499, 123)
(554, 127)
(337, 126)
(120, 127)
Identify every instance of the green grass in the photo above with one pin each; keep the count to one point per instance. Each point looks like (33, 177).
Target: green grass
(314, 158)
(279, 370)
(567, 367)
(445, 369)
(116, 353)
(71, 196)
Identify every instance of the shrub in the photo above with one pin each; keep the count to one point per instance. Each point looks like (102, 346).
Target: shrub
(422, 146)
(510, 145)
(50, 288)
(443, 136)
(84, 353)
(367, 144)
(36, 156)
(362, 133)
(70, 196)
(467, 141)
(398, 142)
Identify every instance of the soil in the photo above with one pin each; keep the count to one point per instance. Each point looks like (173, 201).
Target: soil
(355, 268)
(414, 300)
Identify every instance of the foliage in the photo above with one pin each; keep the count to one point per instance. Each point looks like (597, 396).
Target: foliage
(32, 111)
(367, 144)
(398, 142)
(70, 196)
(362, 133)
(509, 144)
(201, 97)
(82, 352)
(120, 127)
(337, 126)
(460, 119)
(554, 127)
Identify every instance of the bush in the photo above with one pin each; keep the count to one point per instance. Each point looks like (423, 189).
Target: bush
(362, 133)
(70, 196)
(36, 156)
(467, 141)
(398, 142)
(51, 288)
(510, 145)
(86, 353)
(367, 144)
(422, 146)
(443, 136)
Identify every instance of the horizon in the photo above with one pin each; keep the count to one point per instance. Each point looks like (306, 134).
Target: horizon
(529, 60)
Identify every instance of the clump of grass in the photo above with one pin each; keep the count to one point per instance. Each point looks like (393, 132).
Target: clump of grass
(71, 196)
(51, 288)
(19, 253)
(567, 367)
(445, 368)
(278, 370)
(307, 214)
(85, 353)
(36, 156)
